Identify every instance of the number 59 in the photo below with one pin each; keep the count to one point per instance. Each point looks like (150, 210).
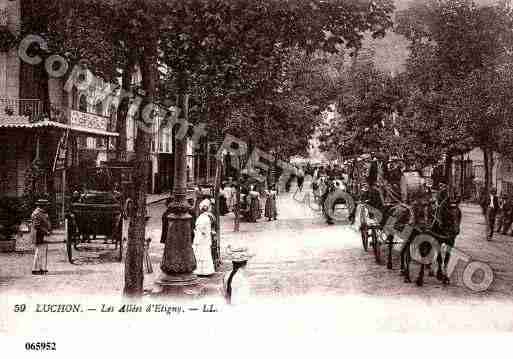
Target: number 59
(20, 307)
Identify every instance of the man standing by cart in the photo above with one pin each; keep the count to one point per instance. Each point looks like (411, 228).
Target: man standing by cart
(41, 227)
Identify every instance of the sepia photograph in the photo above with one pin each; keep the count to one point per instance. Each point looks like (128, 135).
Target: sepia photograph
(223, 177)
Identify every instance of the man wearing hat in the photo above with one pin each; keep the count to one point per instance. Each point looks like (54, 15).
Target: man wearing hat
(41, 227)
(235, 283)
(443, 194)
(490, 205)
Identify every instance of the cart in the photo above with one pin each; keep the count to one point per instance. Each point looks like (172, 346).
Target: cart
(409, 199)
(94, 216)
(366, 170)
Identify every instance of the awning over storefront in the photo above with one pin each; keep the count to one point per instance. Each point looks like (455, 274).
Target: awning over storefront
(93, 131)
(23, 122)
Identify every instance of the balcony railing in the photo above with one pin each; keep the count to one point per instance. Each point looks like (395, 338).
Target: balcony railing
(31, 108)
(37, 110)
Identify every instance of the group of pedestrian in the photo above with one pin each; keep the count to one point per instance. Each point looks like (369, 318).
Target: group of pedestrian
(235, 283)
(236, 287)
(227, 196)
(498, 213)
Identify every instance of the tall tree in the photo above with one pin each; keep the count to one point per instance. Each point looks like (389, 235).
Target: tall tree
(454, 43)
(230, 51)
(237, 51)
(110, 38)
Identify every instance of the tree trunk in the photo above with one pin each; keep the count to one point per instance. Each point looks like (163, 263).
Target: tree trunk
(217, 254)
(462, 179)
(134, 276)
(448, 171)
(490, 170)
(122, 112)
(486, 160)
(237, 200)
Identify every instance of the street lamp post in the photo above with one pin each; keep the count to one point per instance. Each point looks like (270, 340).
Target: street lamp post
(178, 261)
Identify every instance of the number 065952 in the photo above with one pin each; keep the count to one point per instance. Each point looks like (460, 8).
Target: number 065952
(40, 346)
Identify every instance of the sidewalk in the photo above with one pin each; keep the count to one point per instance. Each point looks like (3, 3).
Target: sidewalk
(24, 244)
(156, 198)
(97, 271)
(497, 253)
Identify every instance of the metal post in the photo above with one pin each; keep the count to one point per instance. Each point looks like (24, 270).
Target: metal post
(178, 261)
(207, 177)
(63, 192)
(237, 200)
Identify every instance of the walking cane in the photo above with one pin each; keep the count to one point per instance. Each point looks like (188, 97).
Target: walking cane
(147, 261)
(46, 257)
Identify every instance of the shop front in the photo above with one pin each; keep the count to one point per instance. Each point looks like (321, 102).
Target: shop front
(48, 158)
(27, 151)
(85, 146)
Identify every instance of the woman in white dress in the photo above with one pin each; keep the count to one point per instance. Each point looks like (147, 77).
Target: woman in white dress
(236, 287)
(229, 192)
(271, 211)
(203, 241)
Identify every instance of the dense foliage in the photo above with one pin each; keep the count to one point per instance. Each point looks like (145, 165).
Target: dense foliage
(235, 58)
(452, 97)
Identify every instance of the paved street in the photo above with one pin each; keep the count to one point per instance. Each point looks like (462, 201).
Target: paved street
(297, 257)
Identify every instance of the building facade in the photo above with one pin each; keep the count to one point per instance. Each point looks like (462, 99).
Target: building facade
(51, 134)
(46, 133)
(468, 174)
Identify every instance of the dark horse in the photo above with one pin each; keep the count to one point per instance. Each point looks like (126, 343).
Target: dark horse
(443, 225)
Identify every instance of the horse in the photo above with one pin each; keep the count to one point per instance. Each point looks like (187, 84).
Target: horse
(444, 228)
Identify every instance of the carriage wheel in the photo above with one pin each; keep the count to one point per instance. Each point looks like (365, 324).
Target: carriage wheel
(376, 244)
(69, 239)
(365, 237)
(407, 261)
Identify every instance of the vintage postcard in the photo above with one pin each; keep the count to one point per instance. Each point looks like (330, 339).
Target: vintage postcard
(236, 176)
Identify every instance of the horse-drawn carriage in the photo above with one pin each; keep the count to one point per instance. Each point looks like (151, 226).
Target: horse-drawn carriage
(331, 196)
(398, 210)
(95, 215)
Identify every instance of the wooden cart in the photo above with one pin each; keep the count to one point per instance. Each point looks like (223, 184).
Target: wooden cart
(95, 216)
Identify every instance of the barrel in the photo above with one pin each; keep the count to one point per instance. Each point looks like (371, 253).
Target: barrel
(412, 185)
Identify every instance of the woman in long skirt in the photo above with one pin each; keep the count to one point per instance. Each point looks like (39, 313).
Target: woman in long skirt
(271, 211)
(223, 200)
(203, 241)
